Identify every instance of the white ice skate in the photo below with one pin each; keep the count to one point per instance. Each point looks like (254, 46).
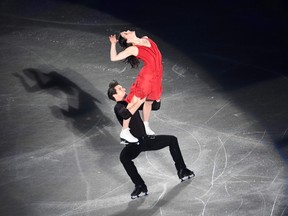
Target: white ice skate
(127, 138)
(148, 130)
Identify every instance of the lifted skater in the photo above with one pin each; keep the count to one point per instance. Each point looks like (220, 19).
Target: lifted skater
(148, 83)
(146, 143)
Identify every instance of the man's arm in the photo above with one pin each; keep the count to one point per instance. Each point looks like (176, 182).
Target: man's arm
(126, 112)
(134, 105)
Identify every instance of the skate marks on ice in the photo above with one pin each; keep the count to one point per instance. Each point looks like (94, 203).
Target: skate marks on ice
(235, 178)
(236, 168)
(163, 199)
(223, 162)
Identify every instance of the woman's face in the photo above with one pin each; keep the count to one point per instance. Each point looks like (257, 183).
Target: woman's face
(128, 35)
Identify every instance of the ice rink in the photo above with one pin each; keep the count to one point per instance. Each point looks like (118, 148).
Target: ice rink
(225, 92)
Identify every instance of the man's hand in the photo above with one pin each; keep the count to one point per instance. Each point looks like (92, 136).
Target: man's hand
(135, 103)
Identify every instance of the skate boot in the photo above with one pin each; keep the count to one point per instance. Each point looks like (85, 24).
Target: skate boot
(148, 130)
(127, 138)
(138, 190)
(185, 174)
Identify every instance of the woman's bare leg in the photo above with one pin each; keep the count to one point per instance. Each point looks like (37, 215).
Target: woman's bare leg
(125, 134)
(147, 107)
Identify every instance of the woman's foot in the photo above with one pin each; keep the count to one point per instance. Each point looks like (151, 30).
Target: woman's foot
(148, 130)
(125, 135)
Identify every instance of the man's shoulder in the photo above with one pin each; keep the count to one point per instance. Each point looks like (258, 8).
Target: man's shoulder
(120, 104)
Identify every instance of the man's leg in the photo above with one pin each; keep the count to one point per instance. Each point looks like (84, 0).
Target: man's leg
(127, 155)
(162, 141)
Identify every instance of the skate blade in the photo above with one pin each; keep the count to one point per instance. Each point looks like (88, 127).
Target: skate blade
(151, 136)
(125, 142)
(140, 195)
(187, 177)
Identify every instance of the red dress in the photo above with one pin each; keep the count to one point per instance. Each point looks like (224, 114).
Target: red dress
(148, 83)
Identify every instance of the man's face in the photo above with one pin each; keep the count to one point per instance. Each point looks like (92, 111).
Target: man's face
(120, 93)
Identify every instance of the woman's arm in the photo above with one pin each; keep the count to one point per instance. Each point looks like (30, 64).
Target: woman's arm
(114, 56)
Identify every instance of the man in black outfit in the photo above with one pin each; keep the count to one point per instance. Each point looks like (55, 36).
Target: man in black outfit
(146, 143)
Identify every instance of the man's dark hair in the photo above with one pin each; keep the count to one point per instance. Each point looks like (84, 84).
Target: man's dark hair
(111, 90)
(132, 60)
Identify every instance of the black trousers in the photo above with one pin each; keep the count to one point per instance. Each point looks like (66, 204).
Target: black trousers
(131, 151)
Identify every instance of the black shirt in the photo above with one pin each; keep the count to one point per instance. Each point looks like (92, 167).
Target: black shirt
(136, 125)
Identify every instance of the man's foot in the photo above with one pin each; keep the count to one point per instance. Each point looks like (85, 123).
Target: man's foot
(127, 137)
(148, 130)
(185, 174)
(138, 190)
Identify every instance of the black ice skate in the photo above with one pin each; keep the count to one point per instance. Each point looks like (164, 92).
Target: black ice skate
(138, 190)
(185, 174)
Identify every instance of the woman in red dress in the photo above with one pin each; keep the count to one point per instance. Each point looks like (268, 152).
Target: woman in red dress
(148, 83)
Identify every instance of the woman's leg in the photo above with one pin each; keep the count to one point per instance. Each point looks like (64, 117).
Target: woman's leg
(147, 107)
(125, 134)
(125, 124)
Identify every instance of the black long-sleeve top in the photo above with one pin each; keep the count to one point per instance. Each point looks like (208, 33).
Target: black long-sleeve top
(136, 125)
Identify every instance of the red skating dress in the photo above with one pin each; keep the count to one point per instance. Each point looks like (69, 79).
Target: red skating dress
(148, 83)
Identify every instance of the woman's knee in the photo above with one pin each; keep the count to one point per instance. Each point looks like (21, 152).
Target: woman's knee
(135, 99)
(148, 102)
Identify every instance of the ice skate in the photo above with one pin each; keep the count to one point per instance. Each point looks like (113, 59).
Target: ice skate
(185, 174)
(127, 138)
(148, 130)
(139, 189)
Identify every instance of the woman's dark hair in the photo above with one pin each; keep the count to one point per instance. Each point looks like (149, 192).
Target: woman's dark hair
(111, 90)
(132, 60)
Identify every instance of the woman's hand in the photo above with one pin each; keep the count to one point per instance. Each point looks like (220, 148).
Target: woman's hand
(113, 39)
